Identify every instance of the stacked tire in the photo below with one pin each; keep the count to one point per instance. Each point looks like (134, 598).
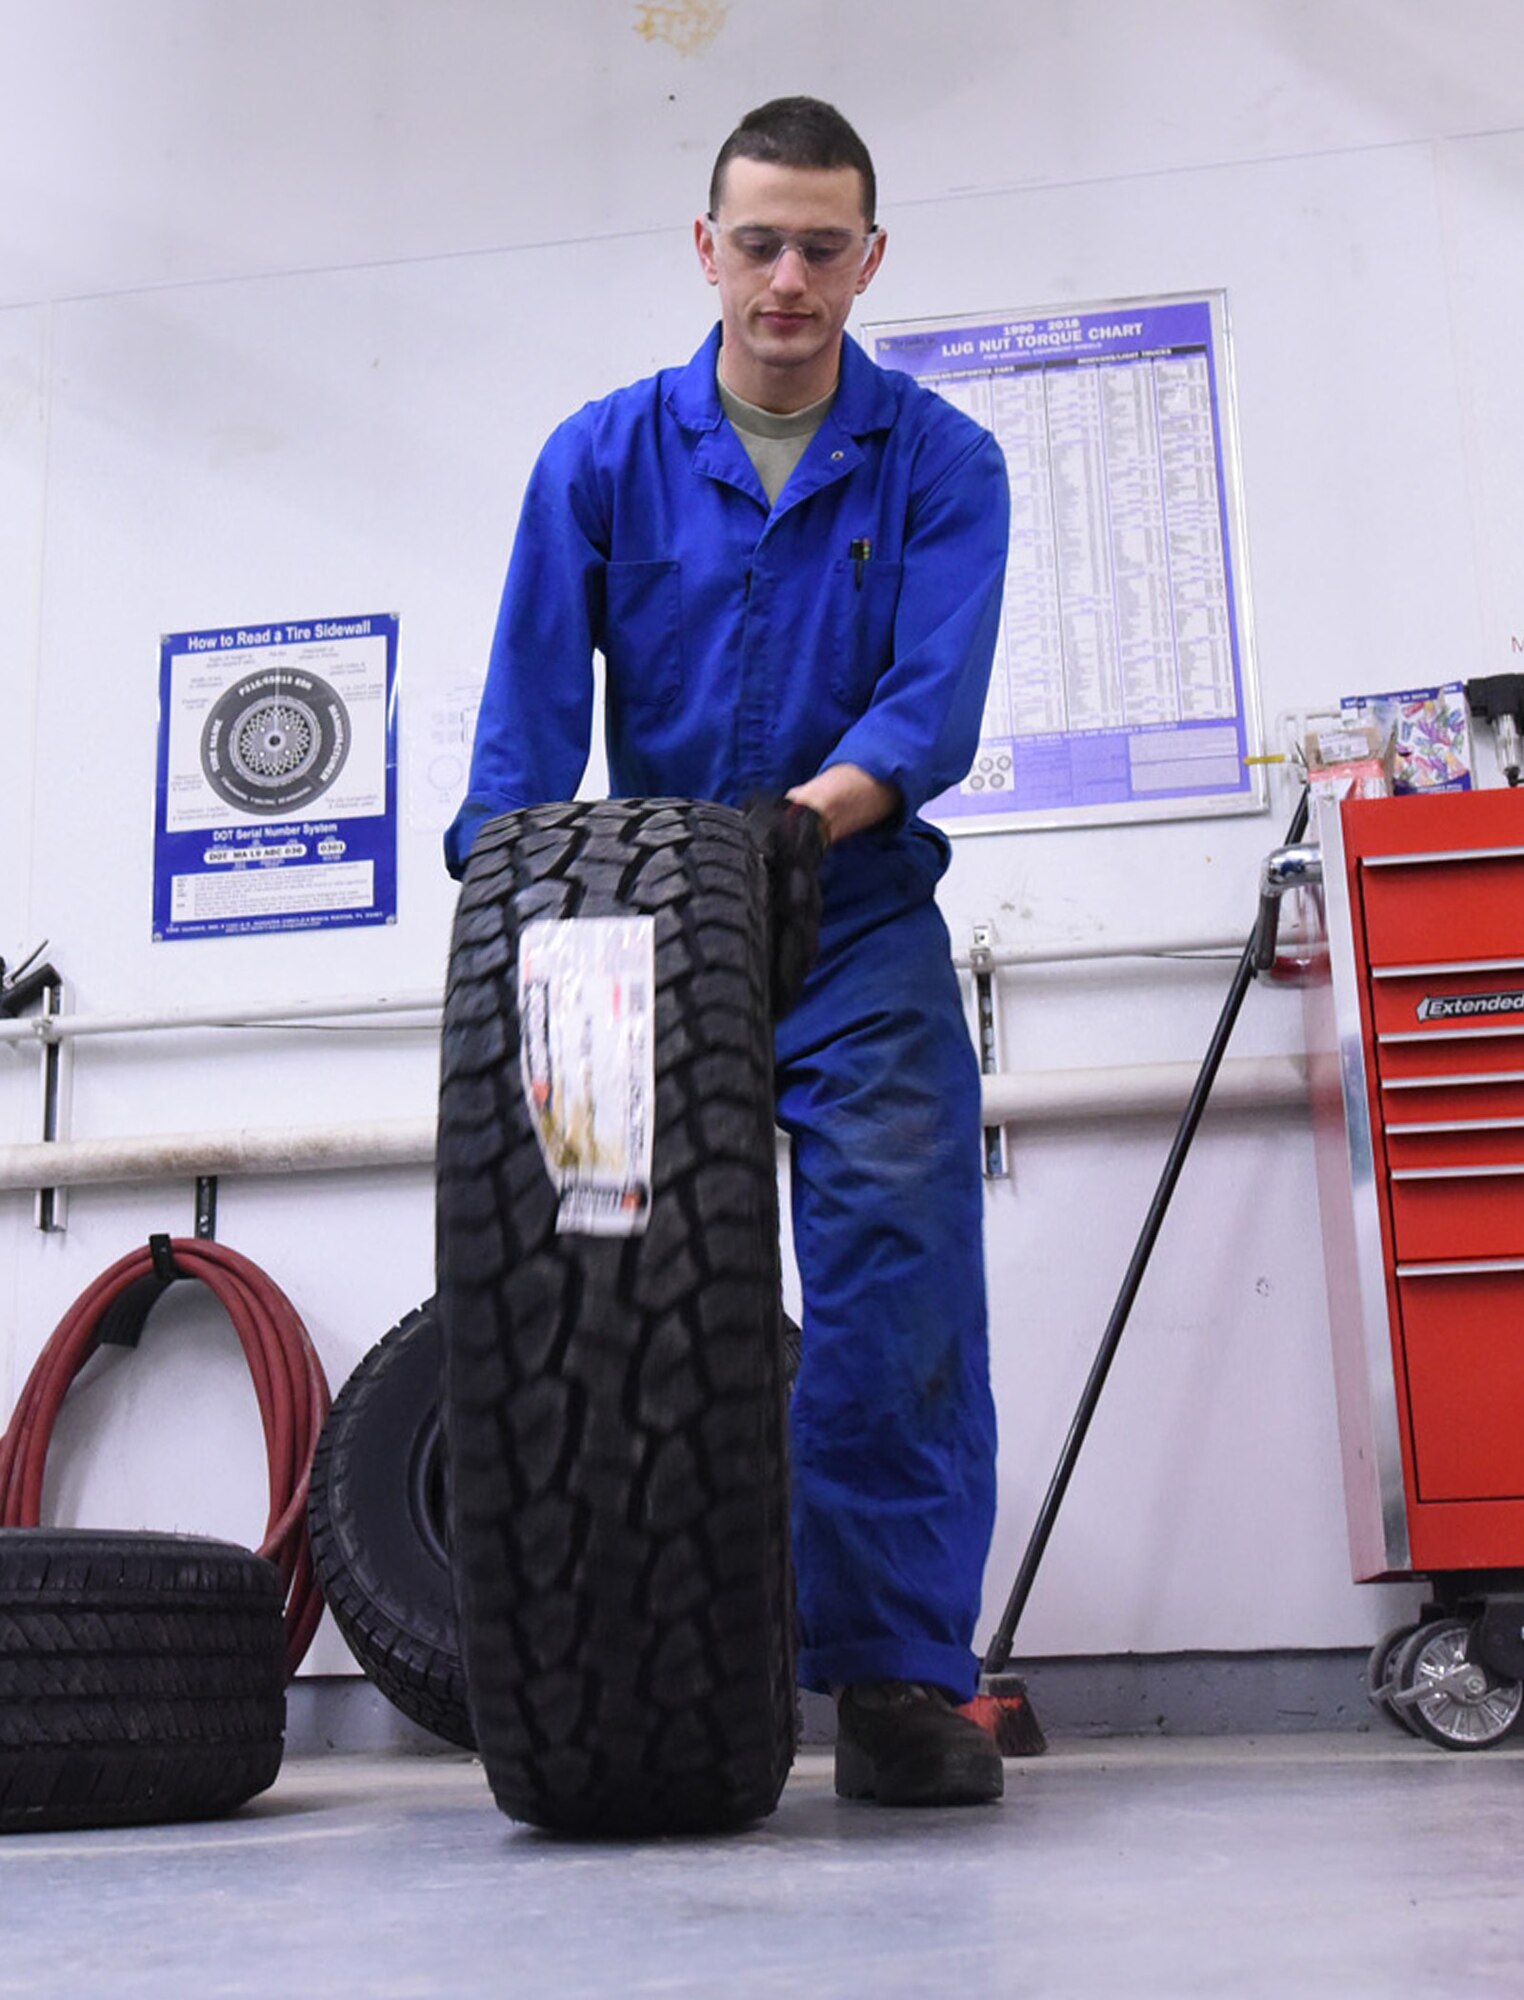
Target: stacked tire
(142, 1678)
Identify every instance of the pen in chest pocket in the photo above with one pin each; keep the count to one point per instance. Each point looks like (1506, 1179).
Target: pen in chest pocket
(861, 552)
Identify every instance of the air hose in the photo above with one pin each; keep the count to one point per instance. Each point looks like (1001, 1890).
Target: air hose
(288, 1381)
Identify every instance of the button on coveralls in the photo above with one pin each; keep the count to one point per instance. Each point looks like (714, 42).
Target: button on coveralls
(747, 648)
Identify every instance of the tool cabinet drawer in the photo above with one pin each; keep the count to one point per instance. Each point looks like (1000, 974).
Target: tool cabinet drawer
(1457, 1142)
(1423, 909)
(1486, 994)
(1465, 1097)
(1442, 1213)
(1463, 1335)
(1451, 1055)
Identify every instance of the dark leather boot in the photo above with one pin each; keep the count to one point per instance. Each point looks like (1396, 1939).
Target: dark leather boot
(903, 1743)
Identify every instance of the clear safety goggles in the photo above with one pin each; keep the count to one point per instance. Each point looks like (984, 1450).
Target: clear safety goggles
(821, 249)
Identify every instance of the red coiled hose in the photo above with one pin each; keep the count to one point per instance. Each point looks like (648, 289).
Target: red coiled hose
(288, 1380)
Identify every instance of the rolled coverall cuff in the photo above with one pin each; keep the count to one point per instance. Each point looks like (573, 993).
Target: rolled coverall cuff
(824, 1668)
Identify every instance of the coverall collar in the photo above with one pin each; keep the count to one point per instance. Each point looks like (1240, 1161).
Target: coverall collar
(864, 401)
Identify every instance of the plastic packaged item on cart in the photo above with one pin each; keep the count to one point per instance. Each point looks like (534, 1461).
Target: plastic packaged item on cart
(1347, 759)
(1430, 734)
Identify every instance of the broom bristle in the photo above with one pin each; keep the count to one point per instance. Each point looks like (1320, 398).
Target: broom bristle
(1003, 1708)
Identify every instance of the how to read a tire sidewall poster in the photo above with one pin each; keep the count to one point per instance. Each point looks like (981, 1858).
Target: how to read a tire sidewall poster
(277, 778)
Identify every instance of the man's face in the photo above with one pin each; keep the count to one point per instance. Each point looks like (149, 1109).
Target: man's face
(782, 320)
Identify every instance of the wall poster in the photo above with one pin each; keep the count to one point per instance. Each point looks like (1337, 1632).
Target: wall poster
(277, 778)
(1123, 686)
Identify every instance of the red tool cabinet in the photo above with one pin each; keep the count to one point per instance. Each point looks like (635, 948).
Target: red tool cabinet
(1416, 1040)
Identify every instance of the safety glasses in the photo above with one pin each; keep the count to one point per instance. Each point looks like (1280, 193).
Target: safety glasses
(821, 249)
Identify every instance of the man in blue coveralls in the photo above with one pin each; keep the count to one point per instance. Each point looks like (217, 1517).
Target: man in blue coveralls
(792, 561)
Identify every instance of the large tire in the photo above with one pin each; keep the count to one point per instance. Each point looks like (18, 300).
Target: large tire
(379, 1535)
(614, 1406)
(142, 1678)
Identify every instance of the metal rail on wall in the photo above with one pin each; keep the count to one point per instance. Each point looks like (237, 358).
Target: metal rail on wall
(63, 1027)
(53, 1163)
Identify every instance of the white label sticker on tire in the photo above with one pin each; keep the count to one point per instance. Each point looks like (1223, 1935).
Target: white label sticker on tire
(586, 1055)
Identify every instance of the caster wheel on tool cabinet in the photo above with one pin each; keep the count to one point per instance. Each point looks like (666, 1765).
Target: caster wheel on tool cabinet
(1379, 1684)
(1451, 1698)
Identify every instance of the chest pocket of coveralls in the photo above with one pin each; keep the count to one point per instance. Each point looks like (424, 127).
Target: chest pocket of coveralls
(643, 632)
(864, 599)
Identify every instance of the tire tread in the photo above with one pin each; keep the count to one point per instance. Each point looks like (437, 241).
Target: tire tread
(142, 1678)
(616, 1408)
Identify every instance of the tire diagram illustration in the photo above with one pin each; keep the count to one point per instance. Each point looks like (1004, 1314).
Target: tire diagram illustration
(275, 741)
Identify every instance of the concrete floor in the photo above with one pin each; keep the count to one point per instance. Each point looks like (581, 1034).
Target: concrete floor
(1287, 1867)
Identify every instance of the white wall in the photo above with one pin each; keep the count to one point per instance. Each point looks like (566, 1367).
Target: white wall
(288, 297)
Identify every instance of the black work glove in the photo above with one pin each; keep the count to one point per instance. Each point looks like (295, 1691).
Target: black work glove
(792, 839)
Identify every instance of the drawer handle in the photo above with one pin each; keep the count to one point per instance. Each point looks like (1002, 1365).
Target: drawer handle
(1397, 1125)
(1464, 1076)
(1456, 1173)
(1445, 1034)
(1460, 1270)
(1453, 854)
(1451, 965)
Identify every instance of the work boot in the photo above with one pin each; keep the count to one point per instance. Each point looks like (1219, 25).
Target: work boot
(905, 1744)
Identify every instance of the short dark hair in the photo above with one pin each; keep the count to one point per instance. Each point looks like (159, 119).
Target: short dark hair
(796, 132)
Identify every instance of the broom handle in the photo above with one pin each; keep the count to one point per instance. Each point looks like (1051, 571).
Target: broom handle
(997, 1658)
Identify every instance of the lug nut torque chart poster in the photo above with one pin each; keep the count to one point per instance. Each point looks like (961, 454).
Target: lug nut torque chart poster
(277, 778)
(1123, 686)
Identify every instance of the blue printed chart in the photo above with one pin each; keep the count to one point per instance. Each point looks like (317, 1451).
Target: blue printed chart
(277, 778)
(1122, 686)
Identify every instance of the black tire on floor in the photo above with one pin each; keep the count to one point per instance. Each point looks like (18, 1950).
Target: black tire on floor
(142, 1678)
(379, 1535)
(615, 1406)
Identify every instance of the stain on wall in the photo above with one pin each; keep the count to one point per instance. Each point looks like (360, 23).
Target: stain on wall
(690, 26)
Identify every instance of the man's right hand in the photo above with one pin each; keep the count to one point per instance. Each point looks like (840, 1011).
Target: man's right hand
(848, 798)
(792, 838)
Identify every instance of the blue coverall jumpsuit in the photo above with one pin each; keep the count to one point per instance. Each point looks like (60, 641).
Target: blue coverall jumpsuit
(747, 647)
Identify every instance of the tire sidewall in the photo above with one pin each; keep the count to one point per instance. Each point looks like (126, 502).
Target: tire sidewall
(374, 1526)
